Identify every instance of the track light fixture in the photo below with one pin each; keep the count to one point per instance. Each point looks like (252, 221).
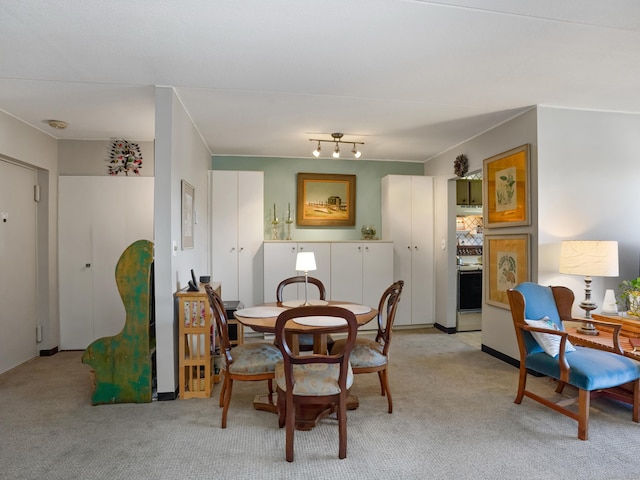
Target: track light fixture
(337, 139)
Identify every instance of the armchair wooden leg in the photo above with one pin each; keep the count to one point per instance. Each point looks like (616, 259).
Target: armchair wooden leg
(522, 383)
(560, 386)
(584, 399)
(636, 400)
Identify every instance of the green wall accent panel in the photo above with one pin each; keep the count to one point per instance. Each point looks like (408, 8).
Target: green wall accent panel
(122, 363)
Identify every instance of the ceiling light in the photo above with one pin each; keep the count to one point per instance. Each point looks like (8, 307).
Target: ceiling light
(57, 124)
(356, 152)
(337, 139)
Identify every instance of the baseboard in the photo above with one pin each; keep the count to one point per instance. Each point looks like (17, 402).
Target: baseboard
(167, 396)
(501, 356)
(448, 330)
(49, 352)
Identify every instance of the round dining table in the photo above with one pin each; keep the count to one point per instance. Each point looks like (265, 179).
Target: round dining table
(262, 318)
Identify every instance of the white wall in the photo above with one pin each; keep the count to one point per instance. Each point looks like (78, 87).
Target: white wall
(24, 144)
(588, 184)
(497, 329)
(180, 154)
(90, 157)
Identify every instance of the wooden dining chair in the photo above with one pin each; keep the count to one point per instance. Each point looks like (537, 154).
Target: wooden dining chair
(370, 356)
(306, 341)
(246, 362)
(312, 379)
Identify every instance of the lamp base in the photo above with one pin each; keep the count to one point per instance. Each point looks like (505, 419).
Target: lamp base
(587, 328)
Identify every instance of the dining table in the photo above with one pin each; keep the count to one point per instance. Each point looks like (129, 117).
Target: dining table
(262, 318)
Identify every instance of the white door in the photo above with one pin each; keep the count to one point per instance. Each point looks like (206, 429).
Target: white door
(18, 293)
(377, 271)
(250, 220)
(224, 231)
(422, 248)
(98, 218)
(346, 272)
(279, 263)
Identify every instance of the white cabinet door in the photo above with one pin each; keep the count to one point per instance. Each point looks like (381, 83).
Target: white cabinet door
(280, 263)
(346, 272)
(237, 226)
(99, 217)
(377, 271)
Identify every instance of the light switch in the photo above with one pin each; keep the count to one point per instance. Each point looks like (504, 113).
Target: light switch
(174, 248)
(443, 244)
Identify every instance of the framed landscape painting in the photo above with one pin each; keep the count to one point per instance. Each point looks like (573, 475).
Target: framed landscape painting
(506, 178)
(507, 258)
(326, 199)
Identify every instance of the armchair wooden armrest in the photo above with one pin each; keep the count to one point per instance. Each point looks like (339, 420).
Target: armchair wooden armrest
(615, 334)
(562, 360)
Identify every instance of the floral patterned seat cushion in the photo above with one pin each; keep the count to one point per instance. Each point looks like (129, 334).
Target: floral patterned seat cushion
(314, 379)
(365, 353)
(253, 358)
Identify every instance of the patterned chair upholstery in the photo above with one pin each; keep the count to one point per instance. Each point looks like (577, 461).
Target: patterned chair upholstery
(247, 362)
(370, 356)
(593, 372)
(304, 378)
(305, 342)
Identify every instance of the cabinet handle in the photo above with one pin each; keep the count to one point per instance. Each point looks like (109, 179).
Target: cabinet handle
(415, 247)
(366, 249)
(301, 248)
(233, 249)
(409, 247)
(293, 249)
(87, 265)
(359, 249)
(241, 249)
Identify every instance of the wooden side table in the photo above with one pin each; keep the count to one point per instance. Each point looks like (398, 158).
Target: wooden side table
(604, 340)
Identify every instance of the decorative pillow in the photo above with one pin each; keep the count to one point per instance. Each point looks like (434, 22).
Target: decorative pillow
(550, 343)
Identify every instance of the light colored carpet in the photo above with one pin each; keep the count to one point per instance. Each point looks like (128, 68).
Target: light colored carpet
(454, 418)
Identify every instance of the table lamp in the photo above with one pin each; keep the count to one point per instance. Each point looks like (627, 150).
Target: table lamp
(306, 262)
(591, 258)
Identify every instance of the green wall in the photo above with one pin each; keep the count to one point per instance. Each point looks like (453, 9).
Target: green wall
(280, 186)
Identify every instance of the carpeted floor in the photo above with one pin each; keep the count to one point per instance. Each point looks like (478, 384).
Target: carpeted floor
(454, 418)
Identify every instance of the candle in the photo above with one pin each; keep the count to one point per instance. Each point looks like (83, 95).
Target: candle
(274, 212)
(289, 211)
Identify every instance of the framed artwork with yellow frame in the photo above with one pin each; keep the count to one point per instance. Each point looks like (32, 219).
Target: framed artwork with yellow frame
(507, 261)
(326, 199)
(506, 191)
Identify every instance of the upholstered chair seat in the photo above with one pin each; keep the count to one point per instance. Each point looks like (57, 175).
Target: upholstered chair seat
(313, 379)
(366, 353)
(253, 359)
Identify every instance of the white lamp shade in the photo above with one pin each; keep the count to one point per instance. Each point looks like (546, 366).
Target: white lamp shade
(305, 262)
(589, 258)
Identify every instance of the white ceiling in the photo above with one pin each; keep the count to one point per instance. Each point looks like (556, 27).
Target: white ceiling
(411, 79)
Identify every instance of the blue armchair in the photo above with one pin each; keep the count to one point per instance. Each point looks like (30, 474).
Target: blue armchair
(592, 371)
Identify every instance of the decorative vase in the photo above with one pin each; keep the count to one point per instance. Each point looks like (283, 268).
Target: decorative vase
(368, 232)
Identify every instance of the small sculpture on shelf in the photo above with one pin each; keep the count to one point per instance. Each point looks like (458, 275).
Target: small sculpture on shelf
(274, 224)
(368, 232)
(289, 222)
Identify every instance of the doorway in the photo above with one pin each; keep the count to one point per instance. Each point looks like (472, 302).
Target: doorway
(18, 295)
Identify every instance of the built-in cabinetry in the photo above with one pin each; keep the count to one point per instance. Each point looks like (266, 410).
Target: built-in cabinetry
(469, 192)
(407, 220)
(237, 232)
(355, 271)
(361, 272)
(196, 343)
(98, 218)
(280, 263)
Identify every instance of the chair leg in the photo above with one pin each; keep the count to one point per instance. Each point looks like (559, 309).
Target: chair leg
(522, 383)
(382, 390)
(636, 399)
(384, 380)
(584, 398)
(290, 426)
(223, 387)
(282, 408)
(560, 386)
(342, 425)
(227, 400)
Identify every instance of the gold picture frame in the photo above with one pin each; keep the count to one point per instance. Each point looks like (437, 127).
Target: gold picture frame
(507, 190)
(188, 202)
(326, 199)
(507, 260)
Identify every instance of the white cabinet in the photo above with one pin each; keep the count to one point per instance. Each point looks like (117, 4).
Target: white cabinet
(237, 232)
(407, 220)
(361, 272)
(280, 263)
(99, 217)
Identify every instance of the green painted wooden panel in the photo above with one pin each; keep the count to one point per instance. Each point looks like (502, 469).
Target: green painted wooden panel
(122, 363)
